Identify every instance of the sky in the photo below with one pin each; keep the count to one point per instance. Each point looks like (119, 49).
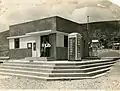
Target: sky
(16, 11)
(116, 1)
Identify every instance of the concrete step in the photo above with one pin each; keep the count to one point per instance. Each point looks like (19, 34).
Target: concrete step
(92, 73)
(85, 62)
(83, 66)
(49, 65)
(28, 65)
(23, 75)
(46, 67)
(27, 69)
(75, 78)
(38, 58)
(42, 74)
(56, 70)
(80, 70)
(60, 62)
(50, 78)
(24, 72)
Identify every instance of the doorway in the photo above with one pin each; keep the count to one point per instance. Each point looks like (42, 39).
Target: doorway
(45, 51)
(34, 49)
(32, 46)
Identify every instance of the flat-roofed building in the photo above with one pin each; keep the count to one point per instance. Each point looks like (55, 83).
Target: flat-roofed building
(26, 39)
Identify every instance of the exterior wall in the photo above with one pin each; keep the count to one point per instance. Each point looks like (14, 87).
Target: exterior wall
(4, 43)
(11, 44)
(52, 40)
(33, 26)
(38, 46)
(67, 26)
(23, 46)
(62, 53)
(59, 40)
(24, 41)
(19, 53)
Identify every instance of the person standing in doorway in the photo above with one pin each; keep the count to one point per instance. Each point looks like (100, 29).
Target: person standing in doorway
(47, 47)
(43, 49)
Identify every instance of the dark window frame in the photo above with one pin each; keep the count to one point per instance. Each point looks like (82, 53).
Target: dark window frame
(30, 45)
(34, 46)
(65, 41)
(16, 43)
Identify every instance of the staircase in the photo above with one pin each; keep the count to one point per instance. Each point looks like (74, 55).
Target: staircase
(57, 70)
(39, 58)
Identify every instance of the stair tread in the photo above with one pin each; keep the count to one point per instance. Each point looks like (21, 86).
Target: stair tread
(53, 70)
(52, 78)
(25, 68)
(48, 73)
(64, 62)
(81, 73)
(44, 65)
(26, 64)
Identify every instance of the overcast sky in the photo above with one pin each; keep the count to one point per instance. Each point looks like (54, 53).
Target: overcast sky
(15, 11)
(116, 1)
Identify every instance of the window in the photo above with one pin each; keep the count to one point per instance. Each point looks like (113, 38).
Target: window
(65, 41)
(29, 45)
(34, 46)
(16, 41)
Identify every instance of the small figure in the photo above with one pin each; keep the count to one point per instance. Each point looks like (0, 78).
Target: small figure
(47, 47)
(43, 49)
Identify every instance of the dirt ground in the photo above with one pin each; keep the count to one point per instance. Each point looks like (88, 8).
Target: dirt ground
(110, 81)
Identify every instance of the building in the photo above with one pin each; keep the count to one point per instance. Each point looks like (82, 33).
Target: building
(4, 44)
(25, 39)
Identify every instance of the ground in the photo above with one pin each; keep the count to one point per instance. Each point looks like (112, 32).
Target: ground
(110, 81)
(109, 53)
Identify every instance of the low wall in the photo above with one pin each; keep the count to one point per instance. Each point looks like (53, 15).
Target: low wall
(20, 53)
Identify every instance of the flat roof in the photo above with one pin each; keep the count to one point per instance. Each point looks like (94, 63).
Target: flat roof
(43, 18)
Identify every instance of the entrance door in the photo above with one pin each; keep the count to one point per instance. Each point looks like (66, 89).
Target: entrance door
(32, 46)
(34, 49)
(45, 51)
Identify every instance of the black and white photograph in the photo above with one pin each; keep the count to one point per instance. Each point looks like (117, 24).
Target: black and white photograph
(59, 45)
